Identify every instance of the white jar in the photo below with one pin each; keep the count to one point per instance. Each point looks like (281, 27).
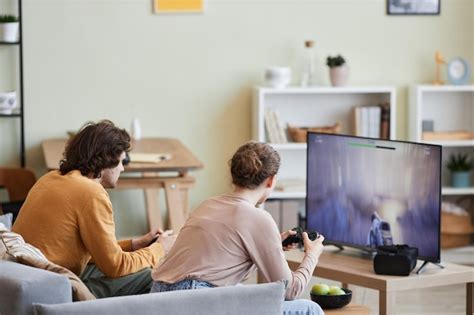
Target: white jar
(136, 129)
(278, 77)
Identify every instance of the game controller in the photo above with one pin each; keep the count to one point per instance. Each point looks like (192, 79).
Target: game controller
(298, 237)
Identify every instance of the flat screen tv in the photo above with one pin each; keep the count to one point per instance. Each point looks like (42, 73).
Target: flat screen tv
(364, 192)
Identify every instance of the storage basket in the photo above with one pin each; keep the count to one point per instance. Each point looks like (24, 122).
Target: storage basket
(298, 134)
(456, 230)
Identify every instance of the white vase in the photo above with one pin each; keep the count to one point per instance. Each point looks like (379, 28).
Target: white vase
(9, 32)
(339, 75)
(136, 129)
(8, 102)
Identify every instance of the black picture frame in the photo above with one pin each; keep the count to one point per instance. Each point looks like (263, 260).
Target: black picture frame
(413, 7)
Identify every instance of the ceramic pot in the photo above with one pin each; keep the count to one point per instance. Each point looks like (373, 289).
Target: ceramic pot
(8, 102)
(9, 32)
(460, 179)
(278, 77)
(339, 75)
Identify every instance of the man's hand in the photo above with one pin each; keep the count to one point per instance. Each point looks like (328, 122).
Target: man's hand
(314, 247)
(284, 236)
(147, 239)
(166, 239)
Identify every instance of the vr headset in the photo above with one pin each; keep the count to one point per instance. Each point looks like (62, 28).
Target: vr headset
(396, 260)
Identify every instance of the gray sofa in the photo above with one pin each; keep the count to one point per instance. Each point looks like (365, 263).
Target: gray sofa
(27, 290)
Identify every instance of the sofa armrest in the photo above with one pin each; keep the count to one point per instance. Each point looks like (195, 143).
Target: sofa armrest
(21, 286)
(241, 299)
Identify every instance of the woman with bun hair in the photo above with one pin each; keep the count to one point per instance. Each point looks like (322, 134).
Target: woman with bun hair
(228, 236)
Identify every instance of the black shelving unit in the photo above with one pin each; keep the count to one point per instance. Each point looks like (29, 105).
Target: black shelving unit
(21, 101)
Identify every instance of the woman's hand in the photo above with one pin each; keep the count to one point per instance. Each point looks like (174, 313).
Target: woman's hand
(314, 247)
(284, 236)
(166, 239)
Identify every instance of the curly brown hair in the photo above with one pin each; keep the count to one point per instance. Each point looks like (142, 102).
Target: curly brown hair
(97, 146)
(253, 163)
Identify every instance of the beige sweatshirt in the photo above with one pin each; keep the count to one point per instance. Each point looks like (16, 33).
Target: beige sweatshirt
(70, 219)
(224, 239)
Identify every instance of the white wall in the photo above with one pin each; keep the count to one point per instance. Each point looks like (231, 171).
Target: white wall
(190, 76)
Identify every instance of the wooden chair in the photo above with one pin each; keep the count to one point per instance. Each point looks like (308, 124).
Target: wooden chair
(17, 182)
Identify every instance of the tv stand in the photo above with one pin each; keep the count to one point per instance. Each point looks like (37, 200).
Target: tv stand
(359, 271)
(340, 247)
(425, 263)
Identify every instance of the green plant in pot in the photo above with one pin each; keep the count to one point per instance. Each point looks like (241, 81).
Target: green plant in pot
(9, 28)
(338, 70)
(460, 165)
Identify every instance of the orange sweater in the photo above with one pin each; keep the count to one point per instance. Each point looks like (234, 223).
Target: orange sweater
(70, 219)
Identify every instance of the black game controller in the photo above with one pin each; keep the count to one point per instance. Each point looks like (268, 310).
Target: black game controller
(298, 237)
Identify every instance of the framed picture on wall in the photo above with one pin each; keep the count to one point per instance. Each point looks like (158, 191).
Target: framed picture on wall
(178, 6)
(413, 7)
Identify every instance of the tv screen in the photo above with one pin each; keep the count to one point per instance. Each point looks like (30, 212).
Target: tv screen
(364, 192)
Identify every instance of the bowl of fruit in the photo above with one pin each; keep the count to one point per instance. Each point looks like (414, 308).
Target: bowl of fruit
(330, 296)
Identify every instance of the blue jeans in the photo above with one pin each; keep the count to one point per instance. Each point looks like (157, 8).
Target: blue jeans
(295, 307)
(185, 284)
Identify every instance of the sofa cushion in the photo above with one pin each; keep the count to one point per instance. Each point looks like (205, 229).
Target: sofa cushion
(13, 245)
(240, 299)
(6, 220)
(21, 286)
(79, 290)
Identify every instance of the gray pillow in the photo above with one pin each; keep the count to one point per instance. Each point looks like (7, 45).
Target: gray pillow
(6, 219)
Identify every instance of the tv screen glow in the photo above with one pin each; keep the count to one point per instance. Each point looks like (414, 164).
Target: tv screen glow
(365, 192)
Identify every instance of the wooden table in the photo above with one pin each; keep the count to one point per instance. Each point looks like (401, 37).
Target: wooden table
(349, 267)
(150, 176)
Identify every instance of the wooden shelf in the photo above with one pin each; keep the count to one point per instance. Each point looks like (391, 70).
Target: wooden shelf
(447, 88)
(297, 146)
(10, 43)
(10, 115)
(452, 143)
(328, 89)
(313, 106)
(453, 191)
(287, 195)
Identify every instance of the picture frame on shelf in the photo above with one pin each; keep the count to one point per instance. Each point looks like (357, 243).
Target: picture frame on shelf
(178, 6)
(413, 7)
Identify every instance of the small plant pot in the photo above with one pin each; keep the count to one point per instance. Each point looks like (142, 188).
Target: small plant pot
(339, 75)
(460, 179)
(9, 32)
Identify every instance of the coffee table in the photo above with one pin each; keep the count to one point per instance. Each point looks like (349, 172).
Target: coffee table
(349, 267)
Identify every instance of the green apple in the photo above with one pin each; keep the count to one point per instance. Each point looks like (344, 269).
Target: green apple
(334, 287)
(334, 290)
(320, 289)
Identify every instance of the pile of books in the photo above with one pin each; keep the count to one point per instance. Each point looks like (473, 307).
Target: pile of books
(372, 121)
(275, 129)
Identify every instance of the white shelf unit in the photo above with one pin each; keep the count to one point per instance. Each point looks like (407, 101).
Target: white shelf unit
(313, 106)
(450, 108)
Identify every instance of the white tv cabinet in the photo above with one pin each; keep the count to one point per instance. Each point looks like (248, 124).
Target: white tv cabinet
(313, 106)
(450, 108)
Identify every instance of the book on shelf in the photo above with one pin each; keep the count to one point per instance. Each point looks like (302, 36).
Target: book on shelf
(372, 121)
(274, 127)
(447, 135)
(385, 121)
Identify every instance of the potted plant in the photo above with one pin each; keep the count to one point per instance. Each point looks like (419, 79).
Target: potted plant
(9, 27)
(460, 165)
(338, 70)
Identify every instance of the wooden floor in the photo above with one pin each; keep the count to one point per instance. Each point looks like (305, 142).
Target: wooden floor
(447, 300)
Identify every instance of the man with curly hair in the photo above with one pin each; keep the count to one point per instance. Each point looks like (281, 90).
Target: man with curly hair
(68, 215)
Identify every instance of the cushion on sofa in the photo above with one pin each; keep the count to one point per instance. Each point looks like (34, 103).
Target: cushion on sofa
(6, 220)
(21, 286)
(241, 299)
(13, 245)
(79, 290)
